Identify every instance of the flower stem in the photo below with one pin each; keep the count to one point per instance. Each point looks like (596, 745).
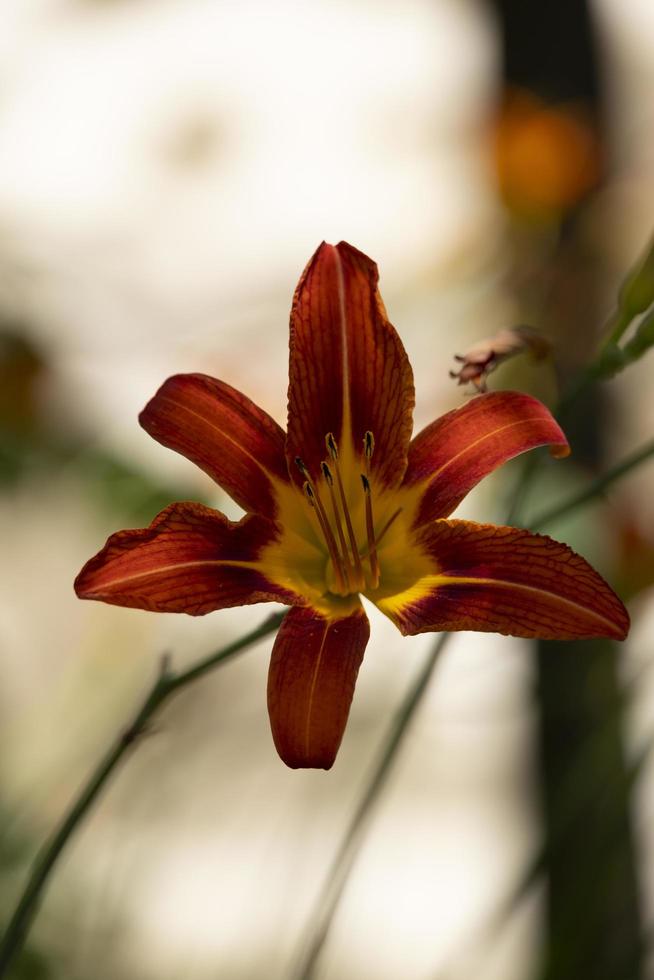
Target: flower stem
(596, 488)
(345, 857)
(616, 327)
(166, 684)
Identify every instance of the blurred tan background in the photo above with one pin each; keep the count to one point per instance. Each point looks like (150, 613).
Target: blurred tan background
(166, 170)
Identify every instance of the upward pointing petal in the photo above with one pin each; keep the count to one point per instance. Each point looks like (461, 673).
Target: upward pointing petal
(348, 370)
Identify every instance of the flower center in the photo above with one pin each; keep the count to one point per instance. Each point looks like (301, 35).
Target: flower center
(354, 569)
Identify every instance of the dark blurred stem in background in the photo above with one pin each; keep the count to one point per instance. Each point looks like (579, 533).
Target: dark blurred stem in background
(593, 927)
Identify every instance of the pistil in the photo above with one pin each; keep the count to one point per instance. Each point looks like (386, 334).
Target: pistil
(370, 531)
(387, 525)
(368, 450)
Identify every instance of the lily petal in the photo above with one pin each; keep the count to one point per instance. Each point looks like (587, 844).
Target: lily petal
(191, 559)
(313, 670)
(215, 426)
(450, 456)
(506, 580)
(348, 372)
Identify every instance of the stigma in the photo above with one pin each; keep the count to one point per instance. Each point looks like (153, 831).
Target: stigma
(354, 562)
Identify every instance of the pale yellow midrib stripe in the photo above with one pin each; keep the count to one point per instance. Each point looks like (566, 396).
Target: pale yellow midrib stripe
(222, 432)
(314, 681)
(345, 362)
(458, 580)
(185, 564)
(471, 445)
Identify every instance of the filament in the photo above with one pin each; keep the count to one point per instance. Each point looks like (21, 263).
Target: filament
(329, 539)
(332, 449)
(329, 480)
(337, 529)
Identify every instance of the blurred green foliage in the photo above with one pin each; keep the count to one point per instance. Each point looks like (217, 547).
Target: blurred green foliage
(635, 298)
(30, 447)
(637, 292)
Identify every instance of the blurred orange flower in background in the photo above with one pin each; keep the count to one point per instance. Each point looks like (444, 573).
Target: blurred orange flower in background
(547, 157)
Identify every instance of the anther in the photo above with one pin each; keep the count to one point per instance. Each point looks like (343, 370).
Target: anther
(370, 531)
(327, 473)
(308, 489)
(302, 468)
(368, 450)
(332, 447)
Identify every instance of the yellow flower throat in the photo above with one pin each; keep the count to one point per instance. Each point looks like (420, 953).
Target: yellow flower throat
(353, 569)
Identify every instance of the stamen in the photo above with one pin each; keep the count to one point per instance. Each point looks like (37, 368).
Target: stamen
(329, 479)
(316, 501)
(368, 450)
(370, 531)
(330, 541)
(332, 449)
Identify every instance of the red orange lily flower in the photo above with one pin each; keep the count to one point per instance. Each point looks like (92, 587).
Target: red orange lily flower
(346, 503)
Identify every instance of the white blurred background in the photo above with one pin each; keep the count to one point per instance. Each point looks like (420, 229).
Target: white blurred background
(166, 170)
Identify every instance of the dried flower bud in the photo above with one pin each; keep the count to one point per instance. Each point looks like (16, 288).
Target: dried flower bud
(483, 357)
